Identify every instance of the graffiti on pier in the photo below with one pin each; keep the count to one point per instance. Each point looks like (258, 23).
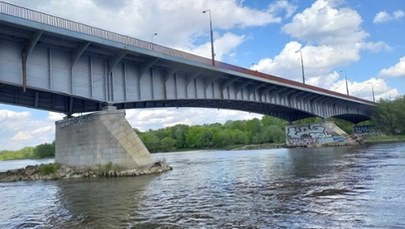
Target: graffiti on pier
(306, 134)
(74, 121)
(365, 130)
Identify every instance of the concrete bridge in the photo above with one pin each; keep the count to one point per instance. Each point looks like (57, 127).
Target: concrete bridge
(55, 64)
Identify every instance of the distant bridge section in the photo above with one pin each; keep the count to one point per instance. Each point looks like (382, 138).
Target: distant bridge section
(55, 64)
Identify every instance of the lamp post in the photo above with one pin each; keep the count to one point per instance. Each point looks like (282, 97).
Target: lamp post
(372, 90)
(347, 87)
(151, 38)
(302, 66)
(212, 39)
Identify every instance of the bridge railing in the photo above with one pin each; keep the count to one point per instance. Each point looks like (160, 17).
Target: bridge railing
(29, 14)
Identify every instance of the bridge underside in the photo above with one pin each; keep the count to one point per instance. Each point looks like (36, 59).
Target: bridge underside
(60, 103)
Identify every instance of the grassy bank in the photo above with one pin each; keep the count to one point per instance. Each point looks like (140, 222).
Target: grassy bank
(384, 138)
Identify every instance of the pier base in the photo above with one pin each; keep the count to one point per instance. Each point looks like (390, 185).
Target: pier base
(99, 138)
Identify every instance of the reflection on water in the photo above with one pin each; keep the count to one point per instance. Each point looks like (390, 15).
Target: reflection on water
(339, 187)
(95, 208)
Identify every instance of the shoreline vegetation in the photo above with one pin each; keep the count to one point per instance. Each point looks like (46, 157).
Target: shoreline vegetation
(42, 151)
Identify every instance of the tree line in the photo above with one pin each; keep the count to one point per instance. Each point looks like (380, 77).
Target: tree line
(45, 150)
(232, 133)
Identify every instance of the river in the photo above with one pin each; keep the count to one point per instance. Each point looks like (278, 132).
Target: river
(340, 187)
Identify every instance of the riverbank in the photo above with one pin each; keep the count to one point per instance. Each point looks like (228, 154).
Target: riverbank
(384, 138)
(55, 171)
(262, 146)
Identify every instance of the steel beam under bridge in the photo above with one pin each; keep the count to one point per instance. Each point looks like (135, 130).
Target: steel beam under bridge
(58, 65)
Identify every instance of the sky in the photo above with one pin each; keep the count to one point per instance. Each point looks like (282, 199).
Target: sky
(362, 41)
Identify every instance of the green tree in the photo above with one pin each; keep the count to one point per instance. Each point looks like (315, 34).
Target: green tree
(239, 125)
(150, 140)
(179, 134)
(24, 153)
(192, 135)
(44, 150)
(389, 116)
(276, 133)
(239, 137)
(346, 126)
(205, 138)
(168, 144)
(269, 121)
(222, 138)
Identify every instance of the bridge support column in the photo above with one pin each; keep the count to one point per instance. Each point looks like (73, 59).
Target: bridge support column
(316, 134)
(98, 139)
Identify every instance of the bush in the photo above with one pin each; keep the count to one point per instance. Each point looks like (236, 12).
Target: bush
(46, 169)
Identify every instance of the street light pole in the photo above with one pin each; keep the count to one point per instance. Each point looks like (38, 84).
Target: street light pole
(151, 38)
(372, 91)
(347, 87)
(302, 66)
(212, 38)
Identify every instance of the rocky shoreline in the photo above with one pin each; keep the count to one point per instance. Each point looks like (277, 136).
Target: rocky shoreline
(56, 172)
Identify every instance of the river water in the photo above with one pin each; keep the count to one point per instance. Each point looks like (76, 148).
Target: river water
(341, 187)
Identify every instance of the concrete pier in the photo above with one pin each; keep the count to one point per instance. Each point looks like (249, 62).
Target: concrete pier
(98, 139)
(315, 134)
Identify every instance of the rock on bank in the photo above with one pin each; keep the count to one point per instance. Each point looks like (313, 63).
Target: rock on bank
(57, 171)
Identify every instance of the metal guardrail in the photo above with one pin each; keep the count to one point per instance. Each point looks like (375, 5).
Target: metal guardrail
(29, 14)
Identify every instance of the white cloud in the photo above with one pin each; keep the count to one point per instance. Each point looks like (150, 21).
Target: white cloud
(375, 46)
(384, 16)
(324, 81)
(318, 62)
(20, 129)
(224, 46)
(381, 17)
(398, 70)
(365, 89)
(52, 116)
(282, 5)
(333, 37)
(324, 24)
(399, 14)
(155, 118)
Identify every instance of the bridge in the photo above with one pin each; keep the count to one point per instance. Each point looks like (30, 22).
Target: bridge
(54, 64)
(59, 65)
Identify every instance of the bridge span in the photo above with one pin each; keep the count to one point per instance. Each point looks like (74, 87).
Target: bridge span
(55, 64)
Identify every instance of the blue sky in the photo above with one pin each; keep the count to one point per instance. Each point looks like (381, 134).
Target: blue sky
(362, 39)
